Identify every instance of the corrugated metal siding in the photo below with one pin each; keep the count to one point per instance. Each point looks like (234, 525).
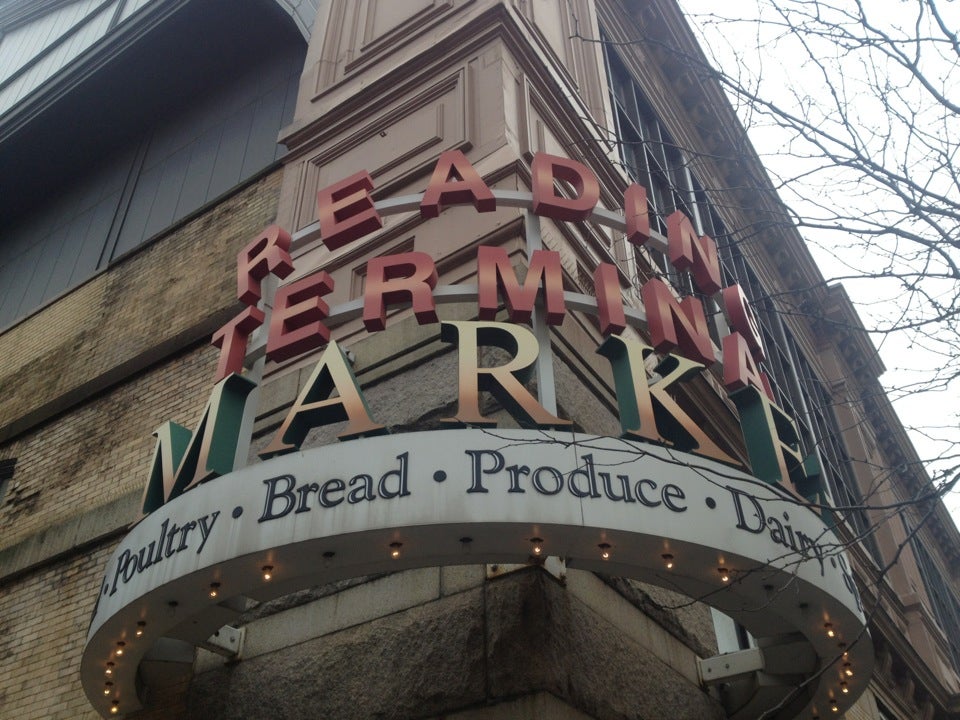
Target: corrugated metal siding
(73, 28)
(132, 7)
(37, 41)
(87, 22)
(26, 42)
(212, 144)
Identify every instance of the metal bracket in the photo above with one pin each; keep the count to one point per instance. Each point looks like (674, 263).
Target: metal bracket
(723, 668)
(227, 642)
(554, 565)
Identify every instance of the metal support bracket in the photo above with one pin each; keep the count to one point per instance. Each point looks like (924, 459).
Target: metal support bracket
(556, 566)
(227, 642)
(723, 668)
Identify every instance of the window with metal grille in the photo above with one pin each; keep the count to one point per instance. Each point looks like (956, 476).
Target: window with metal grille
(946, 607)
(651, 158)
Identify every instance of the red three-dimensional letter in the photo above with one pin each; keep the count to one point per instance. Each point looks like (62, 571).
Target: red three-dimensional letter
(346, 212)
(455, 181)
(547, 168)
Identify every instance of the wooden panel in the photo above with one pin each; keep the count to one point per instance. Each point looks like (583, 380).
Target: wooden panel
(387, 16)
(558, 23)
(389, 23)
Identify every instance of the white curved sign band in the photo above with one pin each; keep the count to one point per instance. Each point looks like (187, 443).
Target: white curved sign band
(463, 496)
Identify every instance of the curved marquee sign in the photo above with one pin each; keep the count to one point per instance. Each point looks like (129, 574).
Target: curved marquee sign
(413, 500)
(663, 504)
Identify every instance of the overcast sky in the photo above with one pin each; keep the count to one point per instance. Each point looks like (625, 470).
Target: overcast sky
(782, 77)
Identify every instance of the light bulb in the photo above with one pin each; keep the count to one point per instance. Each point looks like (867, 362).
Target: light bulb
(830, 631)
(724, 574)
(140, 626)
(395, 549)
(843, 688)
(120, 646)
(847, 670)
(214, 589)
(109, 670)
(537, 545)
(267, 572)
(107, 688)
(604, 550)
(668, 560)
(115, 708)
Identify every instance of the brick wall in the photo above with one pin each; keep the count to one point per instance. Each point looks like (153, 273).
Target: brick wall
(107, 364)
(43, 625)
(155, 296)
(101, 449)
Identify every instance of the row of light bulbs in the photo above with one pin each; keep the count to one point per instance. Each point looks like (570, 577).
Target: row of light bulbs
(605, 553)
(846, 671)
(108, 686)
(395, 547)
(214, 590)
(119, 650)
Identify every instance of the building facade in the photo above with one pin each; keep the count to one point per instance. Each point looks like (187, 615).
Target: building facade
(146, 145)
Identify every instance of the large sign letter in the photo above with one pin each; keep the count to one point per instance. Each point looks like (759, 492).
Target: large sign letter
(675, 324)
(315, 407)
(268, 253)
(346, 212)
(296, 325)
(647, 412)
(548, 168)
(505, 382)
(183, 459)
(494, 272)
(395, 278)
(699, 254)
(455, 181)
